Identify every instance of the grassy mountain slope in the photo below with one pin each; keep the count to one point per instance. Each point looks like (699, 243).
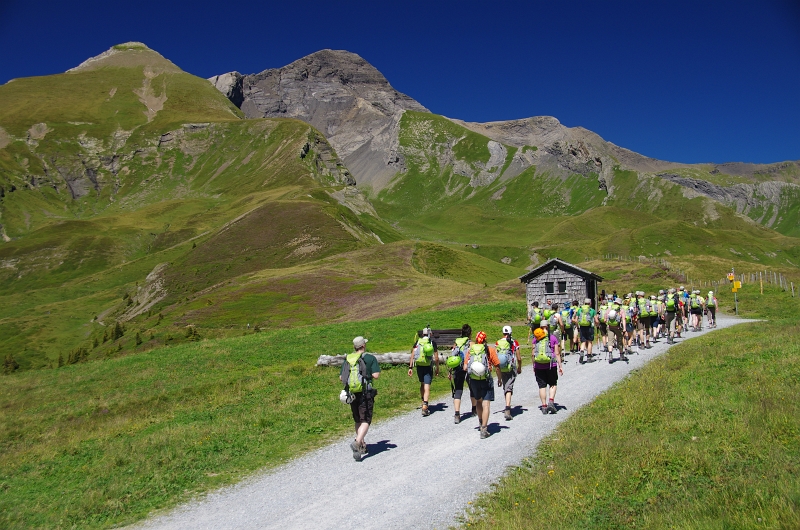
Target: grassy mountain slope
(110, 171)
(446, 194)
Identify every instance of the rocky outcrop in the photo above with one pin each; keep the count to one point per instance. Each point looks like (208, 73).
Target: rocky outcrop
(764, 196)
(340, 94)
(230, 84)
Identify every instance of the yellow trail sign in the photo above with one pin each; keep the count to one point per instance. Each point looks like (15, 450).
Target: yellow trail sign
(737, 285)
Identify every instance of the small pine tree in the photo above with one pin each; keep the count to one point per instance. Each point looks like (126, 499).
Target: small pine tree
(160, 318)
(117, 332)
(105, 336)
(138, 338)
(95, 343)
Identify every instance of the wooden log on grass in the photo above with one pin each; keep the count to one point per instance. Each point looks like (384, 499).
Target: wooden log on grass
(383, 358)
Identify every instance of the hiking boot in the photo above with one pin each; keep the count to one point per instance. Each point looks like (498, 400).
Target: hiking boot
(484, 433)
(474, 411)
(356, 447)
(624, 358)
(543, 408)
(457, 418)
(507, 415)
(551, 408)
(364, 448)
(581, 360)
(425, 412)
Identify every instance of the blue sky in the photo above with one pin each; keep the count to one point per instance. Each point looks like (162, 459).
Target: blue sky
(681, 81)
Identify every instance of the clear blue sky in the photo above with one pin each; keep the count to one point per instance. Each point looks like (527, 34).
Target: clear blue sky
(686, 81)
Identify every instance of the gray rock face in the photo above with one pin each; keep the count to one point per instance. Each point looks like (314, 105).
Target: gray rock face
(340, 94)
(741, 197)
(229, 84)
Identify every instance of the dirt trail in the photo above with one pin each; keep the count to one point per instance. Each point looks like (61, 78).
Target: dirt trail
(418, 472)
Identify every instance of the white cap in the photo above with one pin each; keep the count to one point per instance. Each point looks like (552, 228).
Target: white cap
(507, 330)
(426, 332)
(359, 342)
(710, 293)
(545, 323)
(587, 301)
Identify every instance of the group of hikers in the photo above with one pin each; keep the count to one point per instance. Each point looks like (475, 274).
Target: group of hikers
(621, 323)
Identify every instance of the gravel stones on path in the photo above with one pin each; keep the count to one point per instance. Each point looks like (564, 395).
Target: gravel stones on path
(420, 471)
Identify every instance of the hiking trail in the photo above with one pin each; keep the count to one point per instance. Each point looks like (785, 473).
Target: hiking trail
(417, 473)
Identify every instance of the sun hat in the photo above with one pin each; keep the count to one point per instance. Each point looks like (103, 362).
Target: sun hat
(359, 342)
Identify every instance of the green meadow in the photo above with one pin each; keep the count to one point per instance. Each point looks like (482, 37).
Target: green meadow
(102, 443)
(706, 436)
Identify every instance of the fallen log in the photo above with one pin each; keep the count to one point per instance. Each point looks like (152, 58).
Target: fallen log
(383, 358)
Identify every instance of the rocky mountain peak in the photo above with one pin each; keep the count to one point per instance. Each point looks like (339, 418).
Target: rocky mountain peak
(128, 54)
(339, 93)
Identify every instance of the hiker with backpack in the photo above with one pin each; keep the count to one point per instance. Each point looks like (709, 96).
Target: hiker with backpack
(424, 356)
(457, 374)
(478, 365)
(711, 308)
(359, 370)
(509, 364)
(616, 322)
(546, 360)
(586, 318)
(672, 312)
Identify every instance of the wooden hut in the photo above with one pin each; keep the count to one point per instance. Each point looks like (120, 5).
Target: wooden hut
(560, 282)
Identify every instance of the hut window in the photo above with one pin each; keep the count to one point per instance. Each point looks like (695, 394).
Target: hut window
(562, 287)
(548, 287)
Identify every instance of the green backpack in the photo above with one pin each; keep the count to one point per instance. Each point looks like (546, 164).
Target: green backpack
(543, 350)
(458, 353)
(424, 352)
(354, 378)
(504, 355)
(585, 316)
(536, 316)
(565, 318)
(477, 355)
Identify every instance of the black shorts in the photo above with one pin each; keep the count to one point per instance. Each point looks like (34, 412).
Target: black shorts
(362, 406)
(587, 333)
(425, 374)
(697, 311)
(603, 327)
(481, 389)
(545, 377)
(458, 383)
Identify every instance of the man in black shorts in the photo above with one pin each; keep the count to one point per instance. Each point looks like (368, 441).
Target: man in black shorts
(363, 401)
(424, 355)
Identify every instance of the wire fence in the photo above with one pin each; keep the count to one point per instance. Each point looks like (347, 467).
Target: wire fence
(761, 277)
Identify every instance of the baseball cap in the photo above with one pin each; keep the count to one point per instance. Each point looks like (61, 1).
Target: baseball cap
(587, 301)
(359, 342)
(507, 329)
(426, 332)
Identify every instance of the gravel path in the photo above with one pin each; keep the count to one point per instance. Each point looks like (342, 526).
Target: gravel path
(416, 473)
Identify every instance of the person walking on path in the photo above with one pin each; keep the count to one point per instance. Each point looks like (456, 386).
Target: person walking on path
(478, 364)
(359, 370)
(711, 306)
(586, 319)
(616, 322)
(672, 310)
(424, 356)
(546, 360)
(510, 365)
(457, 374)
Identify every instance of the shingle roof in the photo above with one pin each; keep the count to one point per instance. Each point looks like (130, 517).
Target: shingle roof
(555, 262)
